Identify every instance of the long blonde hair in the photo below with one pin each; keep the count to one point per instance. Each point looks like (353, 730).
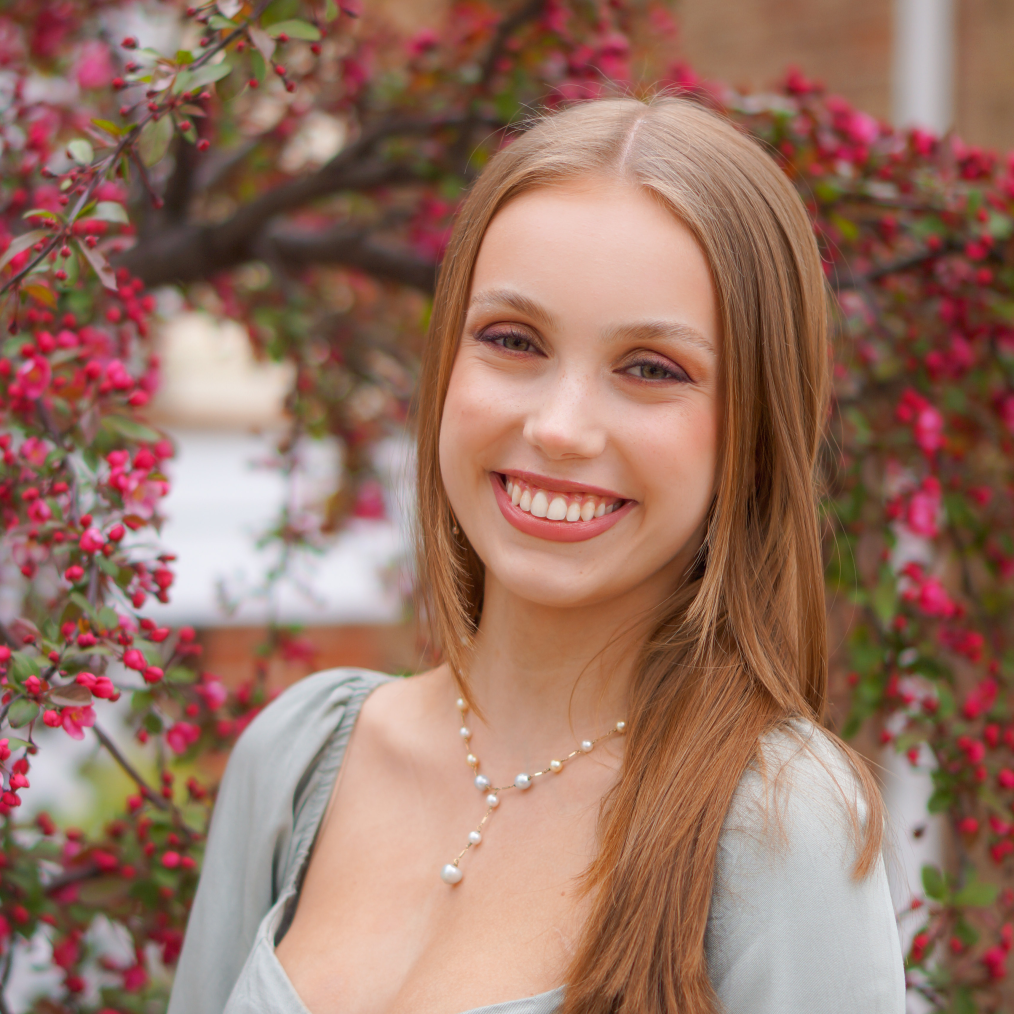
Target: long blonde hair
(741, 646)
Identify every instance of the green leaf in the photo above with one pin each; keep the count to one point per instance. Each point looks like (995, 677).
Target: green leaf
(152, 722)
(81, 151)
(258, 66)
(222, 24)
(108, 618)
(23, 242)
(177, 674)
(183, 57)
(100, 266)
(51, 216)
(16, 744)
(330, 10)
(110, 128)
(933, 883)
(24, 665)
(964, 1002)
(129, 428)
(977, 894)
(110, 211)
(84, 605)
(153, 142)
(21, 712)
(207, 74)
(108, 567)
(295, 29)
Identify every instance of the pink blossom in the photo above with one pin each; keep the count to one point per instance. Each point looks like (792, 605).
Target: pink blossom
(34, 377)
(929, 429)
(134, 659)
(924, 509)
(91, 541)
(214, 693)
(423, 41)
(94, 67)
(141, 494)
(76, 720)
(370, 501)
(47, 197)
(40, 512)
(111, 191)
(181, 736)
(995, 960)
(35, 451)
(861, 127)
(135, 978)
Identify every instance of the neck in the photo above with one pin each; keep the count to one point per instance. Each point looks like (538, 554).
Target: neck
(542, 677)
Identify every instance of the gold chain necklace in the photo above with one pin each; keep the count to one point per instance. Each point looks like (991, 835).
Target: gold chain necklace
(451, 872)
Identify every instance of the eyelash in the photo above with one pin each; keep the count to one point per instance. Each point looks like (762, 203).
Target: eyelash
(498, 338)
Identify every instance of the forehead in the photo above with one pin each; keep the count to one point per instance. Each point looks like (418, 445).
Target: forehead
(605, 252)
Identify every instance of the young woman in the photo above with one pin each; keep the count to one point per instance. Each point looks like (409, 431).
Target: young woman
(614, 795)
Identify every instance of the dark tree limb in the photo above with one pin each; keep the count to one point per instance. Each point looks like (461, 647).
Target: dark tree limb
(355, 248)
(189, 252)
(146, 790)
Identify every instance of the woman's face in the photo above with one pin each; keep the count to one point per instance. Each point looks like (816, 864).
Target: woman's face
(579, 437)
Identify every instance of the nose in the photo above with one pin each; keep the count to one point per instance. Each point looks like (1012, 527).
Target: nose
(563, 422)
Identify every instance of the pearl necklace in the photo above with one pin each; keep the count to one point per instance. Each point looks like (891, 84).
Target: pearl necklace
(451, 872)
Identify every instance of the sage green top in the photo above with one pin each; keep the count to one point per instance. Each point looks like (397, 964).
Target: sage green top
(789, 931)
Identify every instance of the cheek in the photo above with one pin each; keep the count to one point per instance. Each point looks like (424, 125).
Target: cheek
(471, 421)
(681, 460)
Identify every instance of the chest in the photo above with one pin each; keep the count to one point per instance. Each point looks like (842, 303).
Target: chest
(376, 930)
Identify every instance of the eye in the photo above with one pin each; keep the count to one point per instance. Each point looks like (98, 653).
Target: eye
(656, 370)
(509, 339)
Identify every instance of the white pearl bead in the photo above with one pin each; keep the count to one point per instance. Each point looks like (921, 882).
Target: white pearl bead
(621, 726)
(471, 760)
(556, 766)
(462, 706)
(586, 746)
(481, 783)
(464, 732)
(522, 781)
(492, 800)
(474, 837)
(450, 874)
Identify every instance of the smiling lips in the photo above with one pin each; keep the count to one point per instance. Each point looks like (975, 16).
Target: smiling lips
(568, 507)
(557, 515)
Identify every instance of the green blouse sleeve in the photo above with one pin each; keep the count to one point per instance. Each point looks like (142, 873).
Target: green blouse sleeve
(271, 774)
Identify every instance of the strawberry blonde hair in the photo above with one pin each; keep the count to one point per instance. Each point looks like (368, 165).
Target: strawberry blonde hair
(740, 646)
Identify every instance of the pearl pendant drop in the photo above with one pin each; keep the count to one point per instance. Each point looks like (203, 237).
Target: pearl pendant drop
(451, 873)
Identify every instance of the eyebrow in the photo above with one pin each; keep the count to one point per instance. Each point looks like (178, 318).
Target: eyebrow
(494, 298)
(645, 330)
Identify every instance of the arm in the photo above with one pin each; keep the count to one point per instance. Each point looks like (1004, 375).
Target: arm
(251, 834)
(791, 931)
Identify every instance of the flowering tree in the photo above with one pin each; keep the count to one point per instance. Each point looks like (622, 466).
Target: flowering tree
(295, 166)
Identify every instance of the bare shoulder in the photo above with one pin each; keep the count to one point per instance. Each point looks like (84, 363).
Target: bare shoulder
(398, 717)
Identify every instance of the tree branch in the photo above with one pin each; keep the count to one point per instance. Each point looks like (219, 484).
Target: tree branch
(355, 248)
(194, 251)
(146, 790)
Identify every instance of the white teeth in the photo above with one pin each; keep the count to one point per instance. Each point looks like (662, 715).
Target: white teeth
(562, 507)
(557, 509)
